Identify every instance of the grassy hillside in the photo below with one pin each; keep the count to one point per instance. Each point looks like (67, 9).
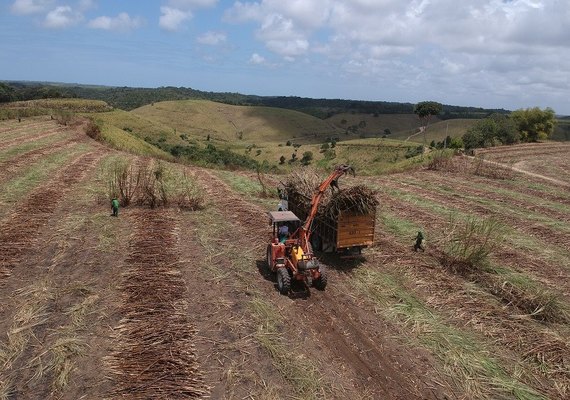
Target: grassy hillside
(222, 122)
(372, 125)
(141, 127)
(438, 131)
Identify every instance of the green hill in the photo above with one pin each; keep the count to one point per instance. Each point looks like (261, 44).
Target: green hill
(226, 123)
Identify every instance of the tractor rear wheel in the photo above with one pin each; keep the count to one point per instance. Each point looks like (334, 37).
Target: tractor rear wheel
(283, 281)
(321, 282)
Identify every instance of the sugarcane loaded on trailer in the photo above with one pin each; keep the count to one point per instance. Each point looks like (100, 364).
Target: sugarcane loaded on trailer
(290, 256)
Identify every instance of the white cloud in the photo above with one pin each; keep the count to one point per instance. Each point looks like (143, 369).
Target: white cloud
(85, 5)
(24, 7)
(122, 22)
(172, 18)
(175, 12)
(474, 48)
(62, 17)
(257, 59)
(191, 4)
(212, 38)
(282, 37)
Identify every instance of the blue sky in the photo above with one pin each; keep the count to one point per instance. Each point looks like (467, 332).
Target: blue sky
(488, 53)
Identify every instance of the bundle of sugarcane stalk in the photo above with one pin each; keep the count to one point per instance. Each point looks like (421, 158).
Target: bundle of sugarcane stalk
(302, 185)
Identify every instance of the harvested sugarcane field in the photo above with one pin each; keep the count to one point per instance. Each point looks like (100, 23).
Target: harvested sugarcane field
(192, 290)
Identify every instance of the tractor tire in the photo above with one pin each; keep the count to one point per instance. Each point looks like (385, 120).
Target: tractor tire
(269, 259)
(321, 282)
(283, 281)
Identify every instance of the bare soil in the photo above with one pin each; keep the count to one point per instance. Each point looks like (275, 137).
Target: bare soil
(160, 303)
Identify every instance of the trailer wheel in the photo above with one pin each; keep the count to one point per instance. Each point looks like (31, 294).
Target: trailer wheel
(283, 281)
(321, 282)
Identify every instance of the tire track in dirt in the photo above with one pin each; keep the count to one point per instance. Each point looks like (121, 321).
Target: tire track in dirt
(552, 276)
(234, 363)
(469, 188)
(369, 368)
(19, 231)
(67, 274)
(31, 138)
(18, 127)
(154, 354)
(518, 185)
(527, 341)
(525, 172)
(533, 228)
(11, 166)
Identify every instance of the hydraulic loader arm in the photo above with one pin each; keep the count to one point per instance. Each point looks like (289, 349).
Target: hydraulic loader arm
(331, 180)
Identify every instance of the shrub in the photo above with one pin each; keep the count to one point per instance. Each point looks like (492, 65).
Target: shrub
(441, 161)
(412, 152)
(152, 185)
(330, 154)
(92, 130)
(307, 158)
(470, 242)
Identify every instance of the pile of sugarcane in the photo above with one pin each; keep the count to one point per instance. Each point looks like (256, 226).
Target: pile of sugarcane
(154, 355)
(302, 185)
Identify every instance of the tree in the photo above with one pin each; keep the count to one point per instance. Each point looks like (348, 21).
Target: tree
(534, 124)
(282, 160)
(481, 134)
(456, 143)
(307, 158)
(425, 110)
(491, 131)
(507, 131)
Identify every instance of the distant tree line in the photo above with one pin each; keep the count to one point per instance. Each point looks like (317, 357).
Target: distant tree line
(129, 98)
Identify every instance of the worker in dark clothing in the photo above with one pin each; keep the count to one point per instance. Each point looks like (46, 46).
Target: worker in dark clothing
(419, 240)
(115, 207)
(283, 233)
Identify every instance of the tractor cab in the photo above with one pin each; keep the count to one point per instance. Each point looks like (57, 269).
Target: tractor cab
(285, 255)
(284, 224)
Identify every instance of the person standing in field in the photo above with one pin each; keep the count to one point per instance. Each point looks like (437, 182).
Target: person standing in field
(115, 207)
(419, 240)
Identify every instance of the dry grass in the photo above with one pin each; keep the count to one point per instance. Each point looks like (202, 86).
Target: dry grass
(154, 345)
(492, 170)
(472, 367)
(299, 371)
(31, 305)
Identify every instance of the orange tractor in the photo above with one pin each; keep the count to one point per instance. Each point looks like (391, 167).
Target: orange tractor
(290, 255)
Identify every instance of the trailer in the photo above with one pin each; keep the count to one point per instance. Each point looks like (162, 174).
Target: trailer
(349, 232)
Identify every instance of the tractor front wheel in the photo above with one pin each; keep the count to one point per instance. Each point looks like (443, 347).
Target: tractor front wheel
(283, 281)
(321, 282)
(269, 261)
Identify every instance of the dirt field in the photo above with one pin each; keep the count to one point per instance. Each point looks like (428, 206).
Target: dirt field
(169, 304)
